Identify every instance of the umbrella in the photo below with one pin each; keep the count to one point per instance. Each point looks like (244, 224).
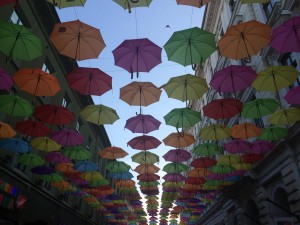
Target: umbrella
(259, 108)
(137, 55)
(121, 176)
(117, 167)
(198, 172)
(52, 178)
(293, 96)
(99, 114)
(244, 40)
(195, 3)
(42, 170)
(223, 108)
(67, 137)
(148, 177)
(252, 158)
(77, 153)
(254, 1)
(190, 46)
(230, 159)
(64, 167)
(54, 114)
(174, 177)
(15, 145)
(89, 81)
(273, 133)
(125, 183)
(233, 78)
(67, 3)
(15, 106)
(36, 82)
(92, 176)
(177, 140)
(177, 155)
(175, 168)
(237, 146)
(85, 166)
(285, 37)
(186, 87)
(207, 149)
(32, 128)
(6, 82)
(214, 132)
(145, 158)
(31, 160)
(203, 162)
(128, 4)
(112, 153)
(146, 169)
(18, 42)
(245, 130)
(262, 147)
(77, 40)
(6, 131)
(142, 124)
(182, 118)
(56, 157)
(6, 2)
(285, 116)
(144, 142)
(222, 169)
(98, 183)
(45, 144)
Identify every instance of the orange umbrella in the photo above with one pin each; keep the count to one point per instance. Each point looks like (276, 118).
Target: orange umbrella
(179, 140)
(65, 167)
(146, 169)
(198, 172)
(245, 130)
(195, 3)
(77, 40)
(6, 131)
(244, 40)
(125, 183)
(36, 82)
(112, 153)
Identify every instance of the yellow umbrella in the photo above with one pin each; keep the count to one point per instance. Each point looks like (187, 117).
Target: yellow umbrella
(6, 131)
(45, 144)
(99, 114)
(285, 116)
(92, 176)
(214, 132)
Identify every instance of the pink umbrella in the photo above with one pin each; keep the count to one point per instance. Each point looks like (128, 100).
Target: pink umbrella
(144, 142)
(293, 96)
(89, 81)
(233, 78)
(174, 177)
(6, 82)
(67, 137)
(56, 157)
(142, 124)
(177, 155)
(238, 146)
(262, 147)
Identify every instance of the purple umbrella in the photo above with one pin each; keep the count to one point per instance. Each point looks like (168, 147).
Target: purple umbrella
(177, 155)
(67, 137)
(262, 147)
(56, 157)
(293, 96)
(237, 146)
(137, 55)
(233, 78)
(285, 38)
(144, 142)
(142, 124)
(43, 170)
(6, 82)
(174, 177)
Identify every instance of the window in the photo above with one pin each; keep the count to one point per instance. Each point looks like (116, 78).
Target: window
(231, 5)
(66, 101)
(45, 68)
(78, 124)
(268, 7)
(14, 18)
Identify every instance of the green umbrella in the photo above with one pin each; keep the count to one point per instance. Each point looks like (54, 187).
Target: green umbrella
(182, 117)
(99, 183)
(145, 158)
(15, 106)
(99, 114)
(207, 149)
(186, 87)
(190, 46)
(172, 184)
(259, 108)
(273, 133)
(77, 153)
(117, 167)
(214, 132)
(175, 168)
(222, 169)
(67, 3)
(52, 177)
(16, 41)
(128, 4)
(148, 184)
(31, 160)
(253, 1)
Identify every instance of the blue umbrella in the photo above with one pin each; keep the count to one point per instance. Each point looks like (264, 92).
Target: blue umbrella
(121, 176)
(15, 145)
(86, 166)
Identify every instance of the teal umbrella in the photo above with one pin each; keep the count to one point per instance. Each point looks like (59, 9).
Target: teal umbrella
(15, 106)
(16, 41)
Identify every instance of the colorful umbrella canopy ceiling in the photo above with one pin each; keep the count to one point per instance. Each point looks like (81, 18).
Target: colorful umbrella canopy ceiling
(66, 3)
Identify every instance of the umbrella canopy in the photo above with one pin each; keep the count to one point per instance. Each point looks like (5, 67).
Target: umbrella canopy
(148, 177)
(99, 114)
(285, 37)
(77, 153)
(177, 155)
(244, 40)
(190, 46)
(177, 140)
(54, 114)
(121, 176)
(36, 82)
(254, 1)
(45, 144)
(214, 132)
(56, 157)
(233, 78)
(66, 3)
(174, 177)
(18, 42)
(15, 106)
(67, 137)
(195, 3)
(85, 166)
(145, 158)
(31, 160)
(262, 147)
(137, 55)
(15, 145)
(186, 87)
(6, 131)
(198, 172)
(259, 108)
(51, 178)
(6, 2)
(6, 82)
(182, 118)
(146, 169)
(285, 116)
(273, 133)
(89, 81)
(245, 130)
(65, 167)
(117, 167)
(128, 4)
(144, 142)
(203, 162)
(42, 170)
(238, 146)
(32, 128)
(293, 96)
(207, 149)
(112, 153)
(223, 108)
(125, 183)
(142, 124)
(175, 168)
(77, 40)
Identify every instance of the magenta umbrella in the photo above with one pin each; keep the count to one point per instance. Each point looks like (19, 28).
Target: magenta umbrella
(233, 78)
(67, 137)
(57, 157)
(142, 124)
(144, 142)
(286, 37)
(177, 155)
(293, 96)
(262, 147)
(89, 81)
(6, 82)
(237, 146)
(137, 55)
(174, 177)
(148, 177)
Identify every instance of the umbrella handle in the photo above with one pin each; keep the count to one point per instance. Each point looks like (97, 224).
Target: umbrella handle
(194, 66)
(134, 1)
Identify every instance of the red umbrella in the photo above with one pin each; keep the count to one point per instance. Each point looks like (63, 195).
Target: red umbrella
(148, 177)
(177, 155)
(89, 81)
(237, 146)
(251, 158)
(142, 124)
(223, 108)
(54, 114)
(203, 162)
(32, 128)
(195, 180)
(6, 2)
(144, 142)
(67, 137)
